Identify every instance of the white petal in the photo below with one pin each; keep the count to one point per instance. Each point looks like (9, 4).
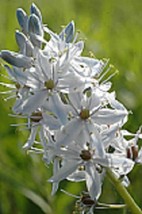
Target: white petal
(108, 116)
(94, 102)
(55, 169)
(115, 103)
(75, 100)
(34, 102)
(69, 132)
(77, 176)
(93, 181)
(64, 171)
(109, 134)
(52, 122)
(58, 108)
(16, 59)
(121, 164)
(139, 159)
(31, 138)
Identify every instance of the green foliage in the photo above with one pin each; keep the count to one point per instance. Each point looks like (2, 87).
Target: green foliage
(111, 29)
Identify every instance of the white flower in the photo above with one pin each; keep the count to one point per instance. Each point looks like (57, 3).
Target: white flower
(88, 113)
(87, 160)
(86, 156)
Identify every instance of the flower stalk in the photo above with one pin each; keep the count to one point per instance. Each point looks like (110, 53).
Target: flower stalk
(135, 209)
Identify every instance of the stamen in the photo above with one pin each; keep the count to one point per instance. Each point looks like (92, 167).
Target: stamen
(132, 152)
(36, 117)
(86, 155)
(86, 200)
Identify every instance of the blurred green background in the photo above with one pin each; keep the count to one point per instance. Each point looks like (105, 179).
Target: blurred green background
(112, 29)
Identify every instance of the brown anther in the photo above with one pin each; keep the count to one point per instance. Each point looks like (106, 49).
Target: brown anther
(85, 155)
(132, 152)
(128, 153)
(86, 200)
(36, 117)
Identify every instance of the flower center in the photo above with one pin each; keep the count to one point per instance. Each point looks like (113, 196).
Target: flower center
(84, 114)
(86, 155)
(36, 117)
(49, 84)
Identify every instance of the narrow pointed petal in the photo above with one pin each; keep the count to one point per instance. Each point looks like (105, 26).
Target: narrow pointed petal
(35, 30)
(34, 25)
(16, 59)
(68, 32)
(115, 103)
(69, 132)
(16, 75)
(119, 163)
(64, 171)
(96, 138)
(77, 176)
(31, 138)
(56, 168)
(58, 108)
(35, 10)
(94, 102)
(52, 122)
(77, 49)
(109, 134)
(75, 99)
(34, 102)
(108, 116)
(93, 181)
(22, 19)
(24, 44)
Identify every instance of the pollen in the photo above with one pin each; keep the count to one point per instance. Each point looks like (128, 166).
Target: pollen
(49, 84)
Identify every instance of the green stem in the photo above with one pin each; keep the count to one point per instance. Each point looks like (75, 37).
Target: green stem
(124, 193)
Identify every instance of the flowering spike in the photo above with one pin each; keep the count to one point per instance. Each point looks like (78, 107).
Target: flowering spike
(69, 108)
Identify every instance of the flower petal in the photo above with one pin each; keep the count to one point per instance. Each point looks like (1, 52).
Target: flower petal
(68, 168)
(108, 116)
(93, 181)
(16, 59)
(69, 132)
(31, 138)
(34, 102)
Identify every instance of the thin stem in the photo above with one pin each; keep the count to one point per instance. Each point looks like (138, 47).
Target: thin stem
(135, 209)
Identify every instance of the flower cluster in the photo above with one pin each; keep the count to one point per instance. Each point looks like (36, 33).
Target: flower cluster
(69, 106)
